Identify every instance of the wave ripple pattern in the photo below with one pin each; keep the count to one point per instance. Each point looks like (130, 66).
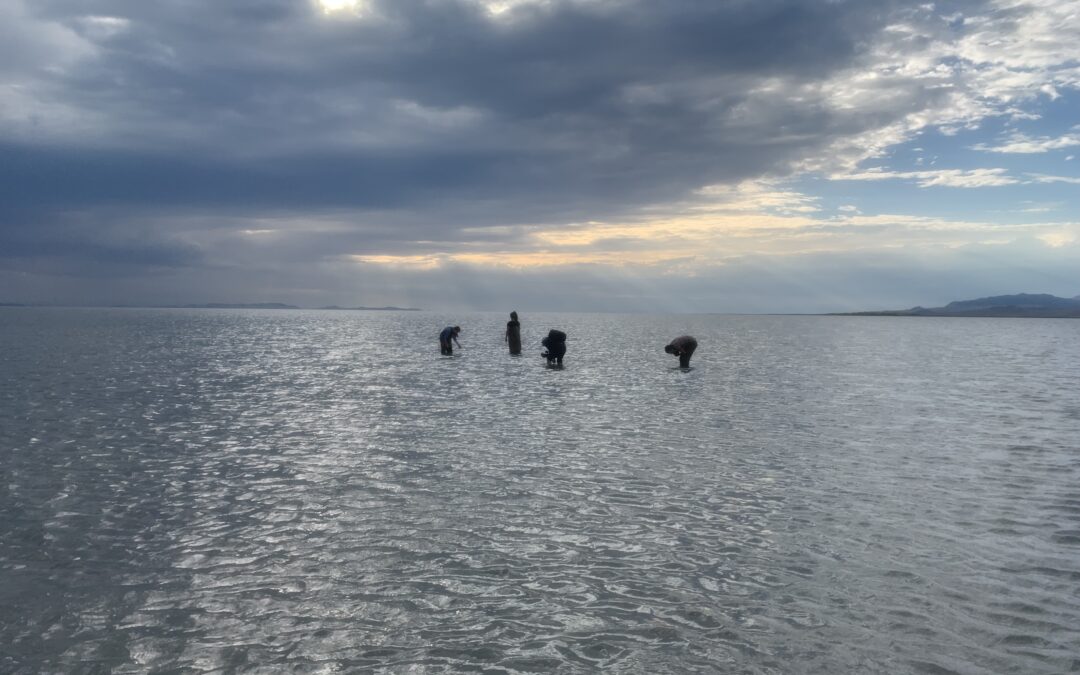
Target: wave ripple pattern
(314, 492)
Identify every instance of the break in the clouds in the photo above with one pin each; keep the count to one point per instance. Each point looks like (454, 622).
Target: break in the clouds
(581, 154)
(1024, 144)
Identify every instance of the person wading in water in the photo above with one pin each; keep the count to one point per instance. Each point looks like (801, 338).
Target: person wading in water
(683, 347)
(513, 333)
(449, 333)
(555, 343)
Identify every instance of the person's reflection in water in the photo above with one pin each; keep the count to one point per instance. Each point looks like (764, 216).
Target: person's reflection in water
(683, 347)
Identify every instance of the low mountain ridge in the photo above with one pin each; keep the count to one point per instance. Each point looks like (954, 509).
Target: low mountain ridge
(1022, 305)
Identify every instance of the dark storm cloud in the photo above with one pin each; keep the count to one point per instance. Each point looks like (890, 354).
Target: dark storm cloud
(571, 58)
(94, 244)
(71, 177)
(152, 135)
(272, 104)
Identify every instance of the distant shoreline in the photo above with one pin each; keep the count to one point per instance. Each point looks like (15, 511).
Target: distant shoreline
(219, 305)
(1017, 306)
(882, 313)
(964, 315)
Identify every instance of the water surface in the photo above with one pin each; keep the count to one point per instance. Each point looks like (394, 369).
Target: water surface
(259, 491)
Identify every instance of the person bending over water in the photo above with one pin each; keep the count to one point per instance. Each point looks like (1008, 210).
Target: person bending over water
(555, 343)
(513, 333)
(449, 333)
(683, 347)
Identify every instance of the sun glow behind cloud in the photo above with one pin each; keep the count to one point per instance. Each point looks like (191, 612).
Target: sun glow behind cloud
(504, 8)
(722, 224)
(330, 6)
(406, 261)
(499, 9)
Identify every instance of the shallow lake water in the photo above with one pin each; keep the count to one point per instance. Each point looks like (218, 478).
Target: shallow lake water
(305, 491)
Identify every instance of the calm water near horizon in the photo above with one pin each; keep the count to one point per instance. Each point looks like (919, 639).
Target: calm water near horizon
(315, 491)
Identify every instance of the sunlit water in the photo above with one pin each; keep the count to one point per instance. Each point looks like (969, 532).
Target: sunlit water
(259, 491)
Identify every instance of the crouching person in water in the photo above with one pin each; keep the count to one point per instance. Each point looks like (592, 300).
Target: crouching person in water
(449, 333)
(555, 343)
(683, 347)
(513, 333)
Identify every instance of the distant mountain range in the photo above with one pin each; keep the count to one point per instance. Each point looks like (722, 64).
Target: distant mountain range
(1030, 305)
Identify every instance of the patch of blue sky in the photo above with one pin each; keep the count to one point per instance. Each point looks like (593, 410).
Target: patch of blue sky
(1041, 189)
(1007, 204)
(1056, 115)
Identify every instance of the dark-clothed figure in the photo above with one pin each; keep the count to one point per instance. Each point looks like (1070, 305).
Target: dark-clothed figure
(513, 333)
(683, 347)
(449, 333)
(555, 343)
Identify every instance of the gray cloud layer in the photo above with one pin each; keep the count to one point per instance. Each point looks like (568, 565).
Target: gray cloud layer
(141, 137)
(210, 103)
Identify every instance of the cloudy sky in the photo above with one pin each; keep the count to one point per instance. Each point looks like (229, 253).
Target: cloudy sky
(684, 155)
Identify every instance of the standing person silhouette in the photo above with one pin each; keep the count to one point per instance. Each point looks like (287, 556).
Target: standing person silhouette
(449, 333)
(683, 347)
(513, 333)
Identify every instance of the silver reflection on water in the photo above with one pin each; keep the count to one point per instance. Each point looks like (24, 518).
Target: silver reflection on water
(233, 491)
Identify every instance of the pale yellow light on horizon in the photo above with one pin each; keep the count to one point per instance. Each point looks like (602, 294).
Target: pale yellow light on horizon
(522, 259)
(412, 261)
(1057, 239)
(720, 224)
(562, 258)
(689, 231)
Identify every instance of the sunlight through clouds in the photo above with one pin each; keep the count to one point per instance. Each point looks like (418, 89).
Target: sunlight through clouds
(1059, 239)
(408, 261)
(351, 6)
(502, 9)
(695, 243)
(757, 195)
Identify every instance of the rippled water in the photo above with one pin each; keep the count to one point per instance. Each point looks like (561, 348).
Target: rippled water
(246, 491)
